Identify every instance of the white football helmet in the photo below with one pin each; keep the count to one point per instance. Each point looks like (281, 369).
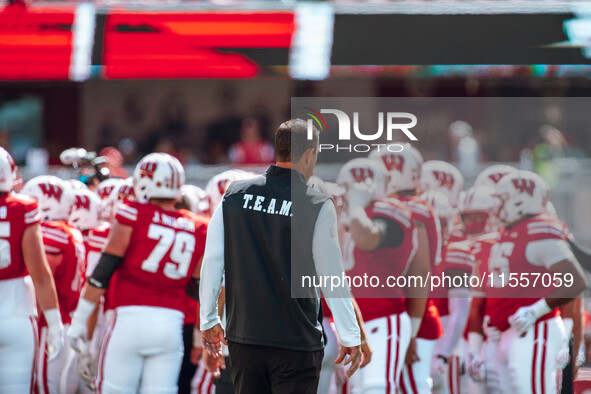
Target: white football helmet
(86, 210)
(490, 176)
(7, 171)
(158, 175)
(217, 186)
(108, 192)
(364, 171)
(478, 210)
(54, 196)
(444, 177)
(444, 210)
(198, 201)
(404, 167)
(75, 184)
(521, 193)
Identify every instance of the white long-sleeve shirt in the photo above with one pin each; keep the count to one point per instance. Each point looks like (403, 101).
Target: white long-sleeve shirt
(327, 260)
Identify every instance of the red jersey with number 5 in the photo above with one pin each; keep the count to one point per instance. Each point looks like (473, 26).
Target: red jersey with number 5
(16, 214)
(64, 243)
(521, 261)
(164, 249)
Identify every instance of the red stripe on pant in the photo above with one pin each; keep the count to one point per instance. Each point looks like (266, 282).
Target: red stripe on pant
(450, 374)
(35, 353)
(411, 377)
(103, 352)
(533, 364)
(458, 373)
(388, 356)
(544, 346)
(395, 374)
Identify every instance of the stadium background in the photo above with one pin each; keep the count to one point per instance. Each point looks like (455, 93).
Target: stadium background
(181, 76)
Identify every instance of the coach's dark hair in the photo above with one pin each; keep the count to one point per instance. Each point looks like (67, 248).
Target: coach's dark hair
(291, 140)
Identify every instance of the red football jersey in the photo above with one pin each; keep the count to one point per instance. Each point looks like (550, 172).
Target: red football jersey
(510, 256)
(455, 256)
(423, 212)
(385, 262)
(66, 241)
(95, 242)
(164, 249)
(16, 214)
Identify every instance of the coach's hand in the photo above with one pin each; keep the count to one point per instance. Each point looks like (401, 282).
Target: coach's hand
(354, 358)
(367, 352)
(212, 340)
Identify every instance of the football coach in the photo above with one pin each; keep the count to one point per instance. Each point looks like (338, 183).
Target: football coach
(263, 226)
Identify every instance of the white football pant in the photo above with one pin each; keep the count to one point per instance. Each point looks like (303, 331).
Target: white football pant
(142, 349)
(18, 348)
(528, 363)
(417, 378)
(389, 338)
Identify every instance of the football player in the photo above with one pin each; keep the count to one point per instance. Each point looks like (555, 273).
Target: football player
(22, 260)
(384, 239)
(531, 245)
(404, 173)
(65, 252)
(451, 302)
(155, 251)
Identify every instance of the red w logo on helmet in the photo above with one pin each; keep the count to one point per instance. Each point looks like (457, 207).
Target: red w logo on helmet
(524, 185)
(223, 185)
(360, 174)
(445, 179)
(82, 202)
(393, 161)
(51, 191)
(147, 169)
(496, 177)
(104, 192)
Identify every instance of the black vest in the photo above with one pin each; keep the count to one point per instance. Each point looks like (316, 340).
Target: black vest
(268, 225)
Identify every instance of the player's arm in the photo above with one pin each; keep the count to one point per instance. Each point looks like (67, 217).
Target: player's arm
(578, 329)
(557, 257)
(459, 309)
(96, 284)
(419, 267)
(36, 262)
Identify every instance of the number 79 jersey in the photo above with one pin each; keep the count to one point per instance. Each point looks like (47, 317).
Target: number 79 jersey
(164, 249)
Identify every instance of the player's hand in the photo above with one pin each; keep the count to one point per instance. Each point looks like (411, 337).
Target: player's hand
(77, 337)
(563, 356)
(55, 340)
(360, 194)
(367, 352)
(196, 355)
(86, 367)
(438, 372)
(411, 354)
(354, 358)
(212, 340)
(476, 367)
(340, 375)
(492, 333)
(213, 364)
(523, 319)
